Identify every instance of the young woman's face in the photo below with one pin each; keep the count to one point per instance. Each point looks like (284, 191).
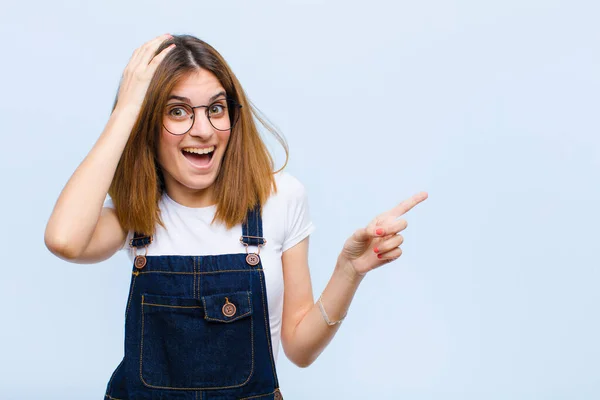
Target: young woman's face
(189, 175)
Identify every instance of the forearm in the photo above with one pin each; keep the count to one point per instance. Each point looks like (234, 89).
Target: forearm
(312, 334)
(77, 210)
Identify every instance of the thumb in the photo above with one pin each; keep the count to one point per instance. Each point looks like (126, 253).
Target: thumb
(366, 234)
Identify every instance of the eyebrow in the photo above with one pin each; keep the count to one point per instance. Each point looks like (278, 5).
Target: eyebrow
(175, 97)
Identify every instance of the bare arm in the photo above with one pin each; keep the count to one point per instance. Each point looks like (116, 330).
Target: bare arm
(79, 206)
(304, 332)
(78, 229)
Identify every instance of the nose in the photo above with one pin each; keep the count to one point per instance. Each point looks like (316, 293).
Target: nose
(201, 126)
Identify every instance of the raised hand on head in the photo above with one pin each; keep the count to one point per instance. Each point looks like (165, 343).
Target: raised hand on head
(139, 72)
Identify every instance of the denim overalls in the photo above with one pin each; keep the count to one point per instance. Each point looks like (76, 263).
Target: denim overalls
(197, 327)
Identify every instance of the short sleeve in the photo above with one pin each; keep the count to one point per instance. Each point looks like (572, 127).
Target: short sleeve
(109, 203)
(298, 224)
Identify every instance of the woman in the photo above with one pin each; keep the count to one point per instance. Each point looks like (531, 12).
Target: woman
(218, 239)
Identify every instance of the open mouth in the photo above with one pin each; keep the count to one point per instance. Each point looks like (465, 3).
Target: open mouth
(199, 157)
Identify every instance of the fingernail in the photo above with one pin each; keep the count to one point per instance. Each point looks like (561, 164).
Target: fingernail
(379, 231)
(379, 256)
(376, 250)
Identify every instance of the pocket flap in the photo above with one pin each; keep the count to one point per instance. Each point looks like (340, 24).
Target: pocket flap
(227, 307)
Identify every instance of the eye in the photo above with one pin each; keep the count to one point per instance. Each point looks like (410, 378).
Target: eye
(178, 112)
(216, 110)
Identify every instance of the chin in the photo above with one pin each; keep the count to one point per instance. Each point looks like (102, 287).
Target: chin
(197, 182)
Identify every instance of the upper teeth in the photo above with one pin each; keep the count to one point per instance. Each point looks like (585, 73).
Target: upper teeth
(200, 151)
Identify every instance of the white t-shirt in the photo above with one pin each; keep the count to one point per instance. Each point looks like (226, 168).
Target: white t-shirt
(286, 221)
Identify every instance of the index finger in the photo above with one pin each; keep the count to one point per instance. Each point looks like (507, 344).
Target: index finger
(408, 204)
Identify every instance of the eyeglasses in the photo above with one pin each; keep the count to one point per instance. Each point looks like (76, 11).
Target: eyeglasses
(222, 114)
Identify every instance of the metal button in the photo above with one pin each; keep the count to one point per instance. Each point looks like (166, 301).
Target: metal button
(253, 259)
(278, 395)
(229, 309)
(140, 262)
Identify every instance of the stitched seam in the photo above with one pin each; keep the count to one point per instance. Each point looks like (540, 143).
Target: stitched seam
(142, 340)
(199, 277)
(112, 398)
(201, 388)
(169, 305)
(258, 228)
(258, 395)
(194, 289)
(256, 225)
(231, 320)
(130, 295)
(267, 327)
(202, 273)
(251, 341)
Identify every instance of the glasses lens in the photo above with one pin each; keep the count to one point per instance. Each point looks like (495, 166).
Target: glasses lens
(223, 114)
(178, 118)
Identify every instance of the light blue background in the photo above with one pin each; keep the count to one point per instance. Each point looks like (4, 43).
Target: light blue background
(490, 107)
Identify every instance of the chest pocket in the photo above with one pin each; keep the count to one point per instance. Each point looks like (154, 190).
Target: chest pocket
(189, 343)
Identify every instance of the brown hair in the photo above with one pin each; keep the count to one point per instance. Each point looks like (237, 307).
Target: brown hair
(246, 176)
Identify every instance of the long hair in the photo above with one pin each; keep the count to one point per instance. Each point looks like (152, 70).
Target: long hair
(245, 178)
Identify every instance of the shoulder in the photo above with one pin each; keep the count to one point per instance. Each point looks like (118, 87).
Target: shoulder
(288, 185)
(290, 195)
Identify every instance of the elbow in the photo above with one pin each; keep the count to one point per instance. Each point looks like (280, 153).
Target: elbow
(301, 359)
(303, 363)
(60, 248)
(301, 354)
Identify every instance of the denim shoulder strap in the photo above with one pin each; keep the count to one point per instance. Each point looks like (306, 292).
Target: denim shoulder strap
(252, 232)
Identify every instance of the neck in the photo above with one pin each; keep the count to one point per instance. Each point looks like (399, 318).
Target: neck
(193, 198)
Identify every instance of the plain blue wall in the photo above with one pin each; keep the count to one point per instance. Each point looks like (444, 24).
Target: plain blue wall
(490, 107)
